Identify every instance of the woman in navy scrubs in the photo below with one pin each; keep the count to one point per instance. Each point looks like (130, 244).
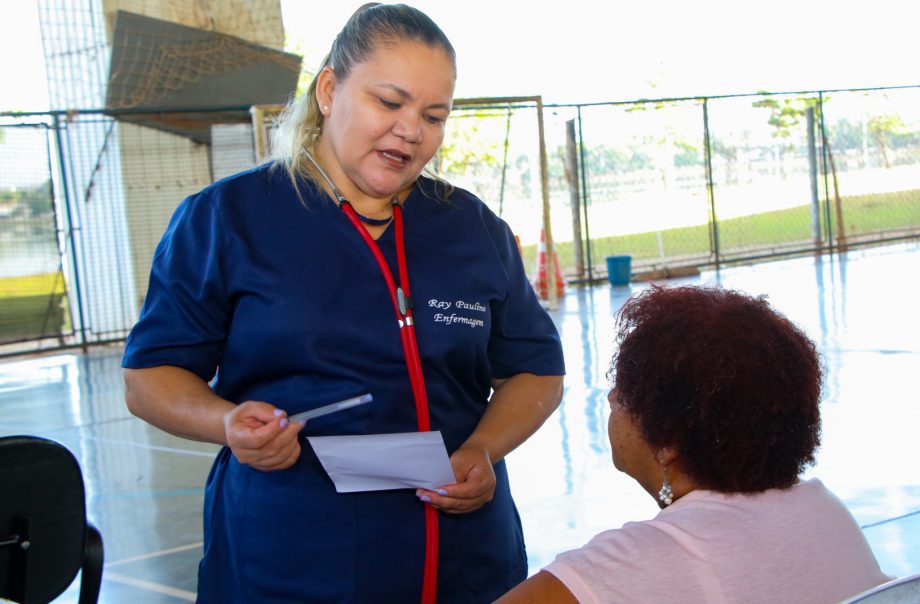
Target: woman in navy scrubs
(273, 281)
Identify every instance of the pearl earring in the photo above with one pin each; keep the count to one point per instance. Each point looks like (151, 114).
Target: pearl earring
(666, 495)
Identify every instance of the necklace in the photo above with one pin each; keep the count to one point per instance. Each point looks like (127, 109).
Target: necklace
(342, 201)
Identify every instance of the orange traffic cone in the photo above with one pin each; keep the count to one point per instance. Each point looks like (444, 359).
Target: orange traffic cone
(541, 283)
(560, 284)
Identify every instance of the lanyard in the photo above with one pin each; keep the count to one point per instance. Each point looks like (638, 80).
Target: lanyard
(402, 306)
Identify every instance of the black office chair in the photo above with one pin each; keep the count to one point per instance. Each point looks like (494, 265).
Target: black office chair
(44, 535)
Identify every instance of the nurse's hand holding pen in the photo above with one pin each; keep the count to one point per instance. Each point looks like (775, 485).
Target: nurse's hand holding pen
(265, 438)
(261, 436)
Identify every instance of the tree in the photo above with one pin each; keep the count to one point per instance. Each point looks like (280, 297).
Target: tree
(728, 152)
(465, 146)
(882, 129)
(28, 202)
(522, 168)
(603, 159)
(786, 116)
(37, 199)
(688, 154)
(669, 148)
(846, 135)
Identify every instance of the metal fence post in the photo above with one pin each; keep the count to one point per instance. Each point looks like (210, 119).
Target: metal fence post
(828, 158)
(813, 178)
(571, 169)
(584, 197)
(76, 290)
(710, 186)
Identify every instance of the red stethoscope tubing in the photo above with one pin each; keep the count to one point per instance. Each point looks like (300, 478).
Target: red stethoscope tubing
(404, 316)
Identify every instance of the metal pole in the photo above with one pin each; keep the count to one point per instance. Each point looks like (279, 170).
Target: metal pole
(77, 289)
(501, 195)
(547, 223)
(710, 187)
(825, 155)
(813, 177)
(571, 164)
(584, 196)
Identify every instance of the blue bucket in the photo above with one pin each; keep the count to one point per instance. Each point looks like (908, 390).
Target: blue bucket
(619, 269)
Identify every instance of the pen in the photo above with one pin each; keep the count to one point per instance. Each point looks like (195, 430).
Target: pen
(331, 408)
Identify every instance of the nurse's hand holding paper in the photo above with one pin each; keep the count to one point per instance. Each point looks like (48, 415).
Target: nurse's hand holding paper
(474, 487)
(505, 424)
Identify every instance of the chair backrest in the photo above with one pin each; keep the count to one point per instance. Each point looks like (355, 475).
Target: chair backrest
(900, 591)
(43, 527)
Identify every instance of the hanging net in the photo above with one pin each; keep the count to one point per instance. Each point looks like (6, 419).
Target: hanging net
(162, 66)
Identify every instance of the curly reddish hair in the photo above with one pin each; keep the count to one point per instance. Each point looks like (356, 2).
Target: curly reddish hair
(729, 382)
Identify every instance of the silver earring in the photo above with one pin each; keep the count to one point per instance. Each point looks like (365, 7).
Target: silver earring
(666, 495)
(325, 108)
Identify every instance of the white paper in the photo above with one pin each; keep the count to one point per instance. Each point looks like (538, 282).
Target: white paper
(378, 462)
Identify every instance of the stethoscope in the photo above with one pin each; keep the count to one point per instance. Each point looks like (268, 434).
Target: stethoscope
(401, 298)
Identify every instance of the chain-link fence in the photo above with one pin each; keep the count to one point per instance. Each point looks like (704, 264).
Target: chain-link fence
(32, 289)
(84, 199)
(677, 183)
(673, 183)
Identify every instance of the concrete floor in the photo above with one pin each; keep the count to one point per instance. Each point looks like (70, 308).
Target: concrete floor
(144, 487)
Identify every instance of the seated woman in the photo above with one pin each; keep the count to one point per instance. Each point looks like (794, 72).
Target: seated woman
(714, 412)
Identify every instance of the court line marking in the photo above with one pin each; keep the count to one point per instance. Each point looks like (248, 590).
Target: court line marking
(162, 552)
(153, 447)
(181, 594)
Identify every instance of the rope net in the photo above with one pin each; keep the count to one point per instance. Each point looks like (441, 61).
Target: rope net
(153, 61)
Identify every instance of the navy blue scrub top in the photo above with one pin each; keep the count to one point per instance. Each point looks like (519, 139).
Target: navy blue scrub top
(283, 300)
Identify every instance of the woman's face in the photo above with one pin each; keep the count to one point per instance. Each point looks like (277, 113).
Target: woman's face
(631, 453)
(385, 121)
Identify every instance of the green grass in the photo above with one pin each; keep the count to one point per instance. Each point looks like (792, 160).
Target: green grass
(869, 213)
(861, 214)
(31, 285)
(33, 306)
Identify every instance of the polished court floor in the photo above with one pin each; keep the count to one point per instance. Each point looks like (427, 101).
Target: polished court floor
(144, 487)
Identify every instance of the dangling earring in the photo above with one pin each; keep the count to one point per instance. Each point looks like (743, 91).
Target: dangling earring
(666, 495)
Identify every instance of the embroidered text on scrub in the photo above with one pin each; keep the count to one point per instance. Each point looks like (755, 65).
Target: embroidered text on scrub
(435, 303)
(471, 306)
(454, 318)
